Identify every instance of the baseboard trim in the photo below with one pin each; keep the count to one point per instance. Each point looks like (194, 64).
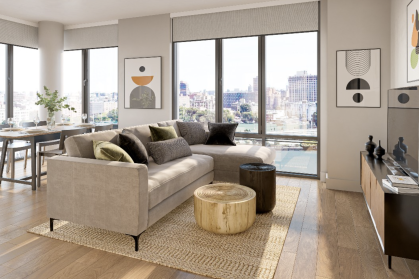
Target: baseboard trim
(343, 185)
(323, 176)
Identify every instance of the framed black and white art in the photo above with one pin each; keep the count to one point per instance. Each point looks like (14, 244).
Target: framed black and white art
(358, 78)
(142, 79)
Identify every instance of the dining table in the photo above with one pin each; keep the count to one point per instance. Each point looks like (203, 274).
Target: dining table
(42, 134)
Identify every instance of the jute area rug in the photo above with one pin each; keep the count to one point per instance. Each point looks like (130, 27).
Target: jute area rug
(177, 241)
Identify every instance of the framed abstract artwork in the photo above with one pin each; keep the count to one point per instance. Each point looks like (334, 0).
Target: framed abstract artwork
(412, 41)
(142, 79)
(358, 78)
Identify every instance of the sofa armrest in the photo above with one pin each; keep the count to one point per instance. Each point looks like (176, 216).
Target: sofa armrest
(96, 193)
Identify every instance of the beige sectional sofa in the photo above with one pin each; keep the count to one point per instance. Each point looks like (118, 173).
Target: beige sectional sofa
(129, 198)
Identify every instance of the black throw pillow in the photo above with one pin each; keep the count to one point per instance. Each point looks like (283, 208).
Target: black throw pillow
(221, 133)
(133, 146)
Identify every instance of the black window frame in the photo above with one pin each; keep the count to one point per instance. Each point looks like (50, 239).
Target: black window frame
(261, 96)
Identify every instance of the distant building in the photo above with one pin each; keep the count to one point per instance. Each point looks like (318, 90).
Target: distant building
(183, 88)
(249, 88)
(255, 84)
(230, 98)
(302, 87)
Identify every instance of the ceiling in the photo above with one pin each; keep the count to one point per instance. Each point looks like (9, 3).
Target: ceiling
(71, 12)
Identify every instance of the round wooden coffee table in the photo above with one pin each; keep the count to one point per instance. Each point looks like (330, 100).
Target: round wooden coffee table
(225, 208)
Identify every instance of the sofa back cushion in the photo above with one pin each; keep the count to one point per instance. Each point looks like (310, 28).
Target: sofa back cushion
(171, 123)
(82, 145)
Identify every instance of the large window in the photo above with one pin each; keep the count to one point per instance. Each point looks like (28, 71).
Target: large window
(240, 83)
(90, 83)
(25, 83)
(267, 84)
(196, 81)
(72, 85)
(3, 65)
(103, 85)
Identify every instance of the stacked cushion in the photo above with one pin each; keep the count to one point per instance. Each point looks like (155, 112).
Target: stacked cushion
(162, 133)
(169, 150)
(221, 133)
(133, 146)
(192, 132)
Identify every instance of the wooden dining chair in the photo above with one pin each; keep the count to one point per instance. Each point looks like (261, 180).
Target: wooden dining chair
(56, 152)
(41, 145)
(106, 127)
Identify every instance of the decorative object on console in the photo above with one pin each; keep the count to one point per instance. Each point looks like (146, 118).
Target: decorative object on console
(105, 150)
(53, 103)
(143, 83)
(221, 133)
(412, 41)
(162, 133)
(398, 152)
(370, 146)
(358, 78)
(192, 132)
(379, 151)
(133, 146)
(169, 150)
(403, 146)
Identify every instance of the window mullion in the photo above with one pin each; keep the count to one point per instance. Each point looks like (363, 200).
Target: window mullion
(9, 81)
(85, 81)
(219, 80)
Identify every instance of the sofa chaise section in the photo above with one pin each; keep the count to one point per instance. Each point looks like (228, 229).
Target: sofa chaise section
(227, 159)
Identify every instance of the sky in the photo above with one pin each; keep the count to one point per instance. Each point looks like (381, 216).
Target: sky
(285, 55)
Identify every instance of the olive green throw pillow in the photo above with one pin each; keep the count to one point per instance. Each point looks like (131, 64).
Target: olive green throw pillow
(105, 150)
(162, 133)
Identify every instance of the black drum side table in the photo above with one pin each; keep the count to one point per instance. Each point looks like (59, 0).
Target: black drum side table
(261, 178)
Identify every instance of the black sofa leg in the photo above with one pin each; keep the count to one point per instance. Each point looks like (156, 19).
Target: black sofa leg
(51, 224)
(389, 262)
(136, 239)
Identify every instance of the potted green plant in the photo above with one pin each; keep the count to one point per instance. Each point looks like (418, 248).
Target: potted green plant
(53, 103)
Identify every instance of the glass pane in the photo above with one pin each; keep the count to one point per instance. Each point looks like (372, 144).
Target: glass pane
(248, 141)
(103, 85)
(3, 54)
(25, 83)
(240, 83)
(291, 84)
(196, 81)
(296, 156)
(72, 84)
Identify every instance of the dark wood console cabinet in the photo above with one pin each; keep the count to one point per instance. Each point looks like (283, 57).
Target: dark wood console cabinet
(395, 216)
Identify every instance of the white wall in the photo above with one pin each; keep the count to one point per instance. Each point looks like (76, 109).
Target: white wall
(145, 37)
(355, 24)
(398, 44)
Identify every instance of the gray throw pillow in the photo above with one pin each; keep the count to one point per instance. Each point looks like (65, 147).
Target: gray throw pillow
(192, 132)
(169, 150)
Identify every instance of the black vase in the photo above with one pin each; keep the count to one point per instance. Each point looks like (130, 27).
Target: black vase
(402, 145)
(398, 152)
(370, 146)
(379, 151)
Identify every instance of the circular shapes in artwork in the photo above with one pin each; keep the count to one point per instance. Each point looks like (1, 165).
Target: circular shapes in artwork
(357, 97)
(142, 69)
(403, 98)
(414, 59)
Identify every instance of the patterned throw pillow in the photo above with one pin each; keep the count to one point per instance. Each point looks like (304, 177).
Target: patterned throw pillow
(105, 150)
(192, 132)
(133, 146)
(162, 133)
(169, 150)
(221, 133)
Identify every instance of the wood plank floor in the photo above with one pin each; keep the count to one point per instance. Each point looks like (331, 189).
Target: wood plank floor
(331, 236)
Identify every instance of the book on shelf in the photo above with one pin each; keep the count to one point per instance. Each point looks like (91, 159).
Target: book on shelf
(402, 181)
(399, 190)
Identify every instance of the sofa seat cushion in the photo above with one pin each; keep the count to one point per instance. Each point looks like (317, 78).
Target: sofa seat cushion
(166, 179)
(229, 158)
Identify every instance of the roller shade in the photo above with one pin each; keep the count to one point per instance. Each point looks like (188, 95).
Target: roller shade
(14, 33)
(91, 37)
(250, 22)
